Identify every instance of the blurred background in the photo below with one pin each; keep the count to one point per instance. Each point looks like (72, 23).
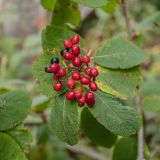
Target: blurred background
(21, 23)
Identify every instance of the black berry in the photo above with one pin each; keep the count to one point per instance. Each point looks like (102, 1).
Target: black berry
(54, 60)
(64, 50)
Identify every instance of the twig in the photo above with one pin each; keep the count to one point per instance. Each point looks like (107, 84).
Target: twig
(127, 18)
(86, 151)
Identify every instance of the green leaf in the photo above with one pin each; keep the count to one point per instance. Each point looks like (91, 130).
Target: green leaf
(118, 119)
(14, 108)
(92, 3)
(64, 120)
(66, 12)
(9, 149)
(45, 81)
(48, 4)
(126, 149)
(120, 83)
(118, 53)
(22, 136)
(95, 131)
(111, 6)
(53, 37)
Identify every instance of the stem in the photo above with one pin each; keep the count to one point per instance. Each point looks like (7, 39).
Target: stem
(127, 18)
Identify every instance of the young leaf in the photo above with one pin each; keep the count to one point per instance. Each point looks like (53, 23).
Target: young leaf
(14, 108)
(45, 81)
(48, 4)
(118, 53)
(66, 12)
(95, 131)
(64, 120)
(118, 119)
(120, 83)
(9, 149)
(53, 37)
(92, 3)
(126, 149)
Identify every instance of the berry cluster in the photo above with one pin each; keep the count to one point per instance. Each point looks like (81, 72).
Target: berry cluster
(80, 73)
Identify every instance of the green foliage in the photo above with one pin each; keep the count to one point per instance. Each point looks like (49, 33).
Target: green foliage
(126, 149)
(118, 119)
(14, 108)
(92, 3)
(9, 149)
(118, 53)
(53, 37)
(64, 120)
(95, 131)
(120, 83)
(66, 12)
(48, 4)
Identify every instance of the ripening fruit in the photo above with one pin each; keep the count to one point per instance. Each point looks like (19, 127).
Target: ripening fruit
(75, 50)
(70, 83)
(81, 101)
(54, 60)
(54, 67)
(61, 72)
(57, 86)
(94, 72)
(93, 86)
(76, 61)
(70, 95)
(68, 44)
(48, 70)
(75, 39)
(90, 103)
(87, 70)
(64, 51)
(89, 96)
(76, 75)
(85, 80)
(68, 56)
(85, 59)
(56, 77)
(78, 93)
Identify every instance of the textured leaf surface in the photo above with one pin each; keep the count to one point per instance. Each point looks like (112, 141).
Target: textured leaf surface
(53, 37)
(9, 149)
(14, 108)
(48, 4)
(118, 53)
(66, 12)
(64, 120)
(95, 131)
(121, 120)
(120, 83)
(92, 3)
(45, 81)
(126, 149)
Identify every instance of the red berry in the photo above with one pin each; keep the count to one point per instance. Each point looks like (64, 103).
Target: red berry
(78, 93)
(68, 56)
(70, 83)
(93, 86)
(85, 80)
(94, 72)
(76, 61)
(87, 70)
(48, 70)
(76, 76)
(76, 50)
(68, 43)
(91, 103)
(81, 101)
(89, 96)
(75, 39)
(54, 67)
(56, 77)
(85, 59)
(57, 86)
(70, 95)
(61, 72)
